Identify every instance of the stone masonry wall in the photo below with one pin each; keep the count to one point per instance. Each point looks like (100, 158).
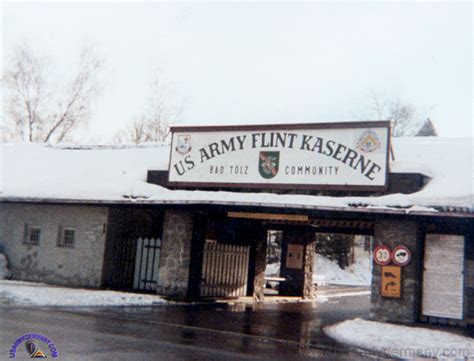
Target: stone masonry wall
(48, 262)
(175, 253)
(393, 233)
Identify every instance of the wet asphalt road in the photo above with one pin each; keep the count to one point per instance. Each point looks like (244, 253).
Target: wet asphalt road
(188, 332)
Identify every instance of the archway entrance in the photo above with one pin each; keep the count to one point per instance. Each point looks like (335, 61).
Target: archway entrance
(238, 246)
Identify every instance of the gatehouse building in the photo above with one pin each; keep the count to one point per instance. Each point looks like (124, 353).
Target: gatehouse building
(191, 220)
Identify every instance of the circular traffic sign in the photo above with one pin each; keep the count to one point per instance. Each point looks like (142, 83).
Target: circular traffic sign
(382, 255)
(401, 256)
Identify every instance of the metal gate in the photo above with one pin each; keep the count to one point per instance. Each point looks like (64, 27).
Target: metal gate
(123, 263)
(147, 262)
(224, 270)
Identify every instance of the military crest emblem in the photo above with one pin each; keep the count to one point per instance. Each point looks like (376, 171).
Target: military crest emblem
(183, 145)
(34, 350)
(368, 142)
(268, 164)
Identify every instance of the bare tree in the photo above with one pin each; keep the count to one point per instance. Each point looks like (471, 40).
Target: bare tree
(153, 125)
(37, 110)
(408, 121)
(137, 132)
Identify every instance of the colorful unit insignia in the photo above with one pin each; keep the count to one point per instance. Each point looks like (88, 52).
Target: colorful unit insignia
(183, 145)
(368, 142)
(268, 164)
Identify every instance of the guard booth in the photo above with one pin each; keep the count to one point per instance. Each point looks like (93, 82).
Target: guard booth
(298, 251)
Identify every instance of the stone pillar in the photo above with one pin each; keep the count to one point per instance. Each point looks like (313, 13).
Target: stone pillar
(175, 253)
(260, 265)
(392, 233)
(309, 291)
(297, 255)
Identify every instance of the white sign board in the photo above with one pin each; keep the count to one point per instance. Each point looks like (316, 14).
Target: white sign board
(348, 156)
(443, 276)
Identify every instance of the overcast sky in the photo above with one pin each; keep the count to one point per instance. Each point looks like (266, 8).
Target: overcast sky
(245, 63)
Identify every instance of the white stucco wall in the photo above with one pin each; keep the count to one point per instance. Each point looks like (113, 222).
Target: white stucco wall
(48, 262)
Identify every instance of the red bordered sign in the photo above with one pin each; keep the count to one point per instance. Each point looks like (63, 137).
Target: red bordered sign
(382, 255)
(401, 256)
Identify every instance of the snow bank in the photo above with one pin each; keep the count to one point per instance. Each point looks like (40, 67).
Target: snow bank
(402, 341)
(38, 294)
(329, 272)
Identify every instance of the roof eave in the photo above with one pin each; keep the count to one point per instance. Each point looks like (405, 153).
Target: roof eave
(141, 201)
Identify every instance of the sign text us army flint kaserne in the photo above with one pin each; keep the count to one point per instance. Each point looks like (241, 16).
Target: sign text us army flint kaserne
(313, 157)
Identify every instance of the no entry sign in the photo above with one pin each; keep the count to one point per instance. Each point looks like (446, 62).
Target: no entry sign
(401, 256)
(382, 255)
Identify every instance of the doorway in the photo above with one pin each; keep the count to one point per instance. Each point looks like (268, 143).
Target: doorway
(132, 249)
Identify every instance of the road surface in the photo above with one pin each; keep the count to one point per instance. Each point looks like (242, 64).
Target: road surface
(187, 332)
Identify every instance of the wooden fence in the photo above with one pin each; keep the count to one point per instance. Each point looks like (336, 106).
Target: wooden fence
(224, 270)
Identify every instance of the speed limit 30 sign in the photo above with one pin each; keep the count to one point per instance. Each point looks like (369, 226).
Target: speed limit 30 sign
(382, 255)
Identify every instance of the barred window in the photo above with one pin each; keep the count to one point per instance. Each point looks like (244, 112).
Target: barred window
(32, 235)
(67, 237)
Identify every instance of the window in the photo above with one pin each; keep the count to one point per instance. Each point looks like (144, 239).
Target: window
(32, 235)
(67, 237)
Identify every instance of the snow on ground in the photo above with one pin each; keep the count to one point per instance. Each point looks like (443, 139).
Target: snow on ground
(273, 269)
(324, 294)
(326, 271)
(402, 341)
(329, 272)
(39, 294)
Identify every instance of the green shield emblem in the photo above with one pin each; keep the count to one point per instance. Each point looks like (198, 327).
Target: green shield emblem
(268, 164)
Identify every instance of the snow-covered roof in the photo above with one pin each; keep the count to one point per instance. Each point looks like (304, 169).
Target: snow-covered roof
(117, 174)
